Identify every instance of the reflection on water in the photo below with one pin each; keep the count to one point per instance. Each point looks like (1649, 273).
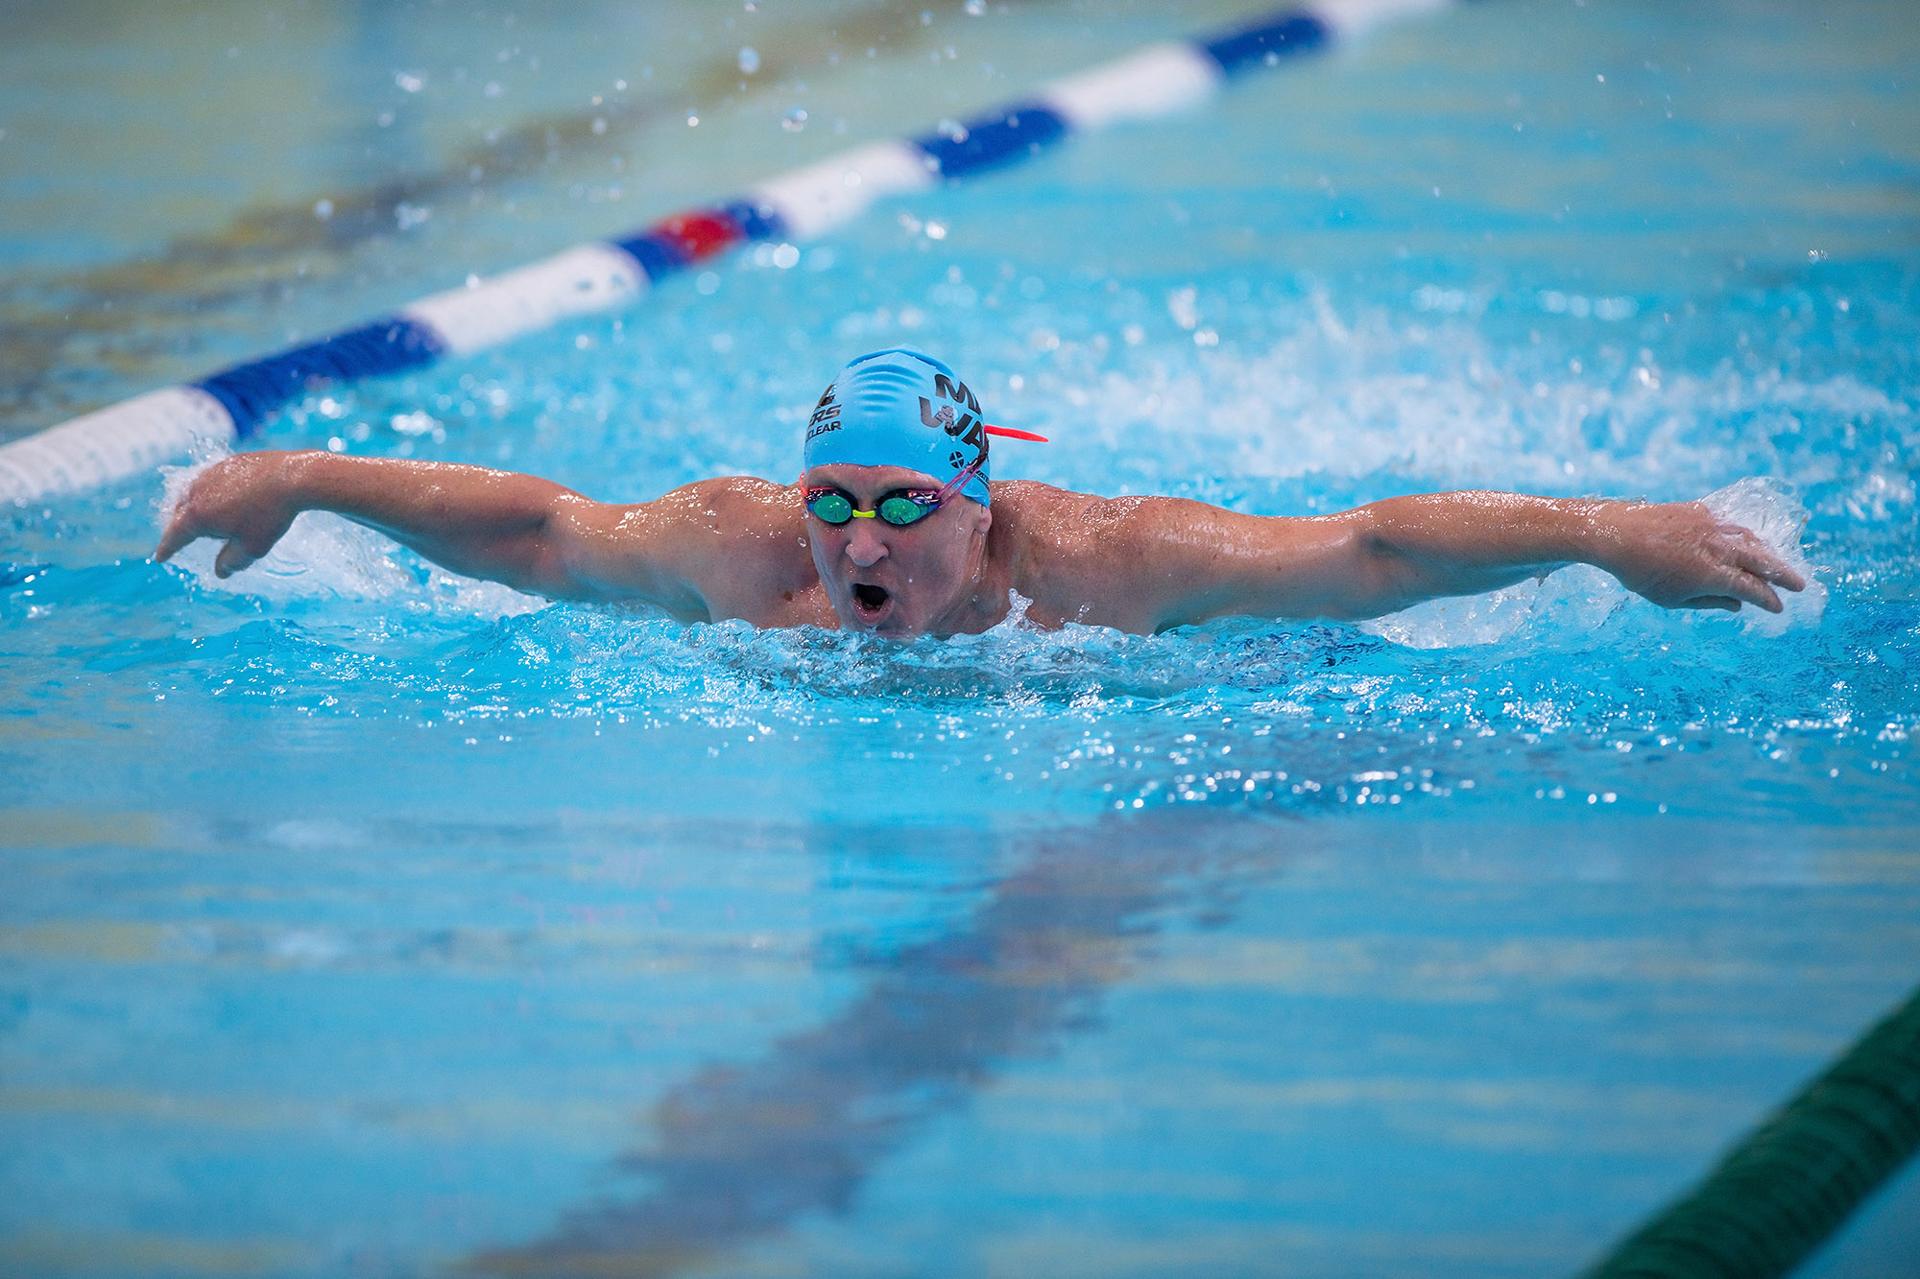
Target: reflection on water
(740, 1151)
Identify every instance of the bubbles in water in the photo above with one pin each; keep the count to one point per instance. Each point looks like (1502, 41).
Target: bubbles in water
(794, 120)
(749, 60)
(975, 8)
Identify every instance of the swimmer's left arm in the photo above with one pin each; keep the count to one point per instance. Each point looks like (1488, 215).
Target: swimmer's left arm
(1196, 562)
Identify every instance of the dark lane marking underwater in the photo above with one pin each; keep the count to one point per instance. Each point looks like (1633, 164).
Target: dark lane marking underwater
(70, 343)
(743, 1151)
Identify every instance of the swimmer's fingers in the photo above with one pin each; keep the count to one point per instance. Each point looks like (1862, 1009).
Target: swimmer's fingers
(1759, 559)
(1737, 587)
(180, 532)
(232, 558)
(1755, 591)
(1733, 582)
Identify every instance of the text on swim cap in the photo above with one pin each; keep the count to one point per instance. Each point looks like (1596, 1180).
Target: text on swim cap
(826, 415)
(965, 427)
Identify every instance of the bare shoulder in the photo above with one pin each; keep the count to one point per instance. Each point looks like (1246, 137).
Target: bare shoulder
(739, 525)
(726, 499)
(693, 547)
(725, 509)
(1078, 556)
(1056, 523)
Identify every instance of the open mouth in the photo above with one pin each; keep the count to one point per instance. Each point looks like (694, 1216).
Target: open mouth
(870, 603)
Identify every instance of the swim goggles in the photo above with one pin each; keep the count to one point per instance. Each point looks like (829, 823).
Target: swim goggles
(899, 508)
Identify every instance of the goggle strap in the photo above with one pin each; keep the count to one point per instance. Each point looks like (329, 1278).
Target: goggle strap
(959, 481)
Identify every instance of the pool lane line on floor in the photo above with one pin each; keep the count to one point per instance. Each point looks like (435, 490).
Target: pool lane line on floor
(261, 248)
(124, 439)
(1793, 1181)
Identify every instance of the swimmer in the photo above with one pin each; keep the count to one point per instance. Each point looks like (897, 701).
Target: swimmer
(894, 528)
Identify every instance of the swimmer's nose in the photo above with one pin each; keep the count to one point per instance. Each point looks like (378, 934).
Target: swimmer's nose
(865, 547)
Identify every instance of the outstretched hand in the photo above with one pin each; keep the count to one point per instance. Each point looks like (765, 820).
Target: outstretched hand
(1681, 555)
(244, 499)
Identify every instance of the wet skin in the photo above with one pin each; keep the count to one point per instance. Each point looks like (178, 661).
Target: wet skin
(739, 547)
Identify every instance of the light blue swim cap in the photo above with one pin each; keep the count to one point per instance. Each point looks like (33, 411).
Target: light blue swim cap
(900, 408)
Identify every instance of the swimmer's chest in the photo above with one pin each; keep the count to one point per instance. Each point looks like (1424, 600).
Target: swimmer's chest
(779, 604)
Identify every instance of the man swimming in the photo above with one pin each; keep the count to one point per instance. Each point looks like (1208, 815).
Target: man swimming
(894, 528)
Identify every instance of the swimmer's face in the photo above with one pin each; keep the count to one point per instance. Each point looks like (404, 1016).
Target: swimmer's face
(891, 580)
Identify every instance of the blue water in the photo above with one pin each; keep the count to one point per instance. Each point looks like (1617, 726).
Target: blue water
(363, 919)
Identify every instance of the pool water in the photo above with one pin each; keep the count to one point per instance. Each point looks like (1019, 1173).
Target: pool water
(359, 918)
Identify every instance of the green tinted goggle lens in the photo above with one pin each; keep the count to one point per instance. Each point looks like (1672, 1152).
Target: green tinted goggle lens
(834, 508)
(831, 508)
(901, 510)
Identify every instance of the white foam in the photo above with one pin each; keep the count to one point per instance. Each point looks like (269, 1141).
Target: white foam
(1770, 509)
(1369, 393)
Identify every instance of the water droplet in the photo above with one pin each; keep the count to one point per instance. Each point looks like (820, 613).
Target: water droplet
(794, 120)
(693, 120)
(409, 81)
(323, 209)
(749, 60)
(976, 7)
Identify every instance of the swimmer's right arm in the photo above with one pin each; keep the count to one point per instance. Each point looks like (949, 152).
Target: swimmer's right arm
(532, 534)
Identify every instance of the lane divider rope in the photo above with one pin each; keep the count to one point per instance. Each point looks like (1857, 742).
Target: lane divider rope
(135, 435)
(1794, 1180)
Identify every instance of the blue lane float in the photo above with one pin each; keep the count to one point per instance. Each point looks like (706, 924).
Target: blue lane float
(229, 406)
